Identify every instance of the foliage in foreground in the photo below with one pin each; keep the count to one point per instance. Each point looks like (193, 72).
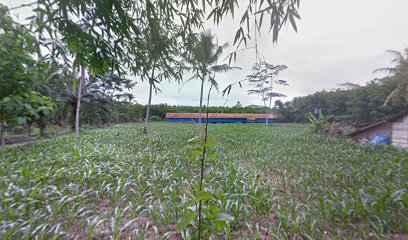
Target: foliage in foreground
(277, 181)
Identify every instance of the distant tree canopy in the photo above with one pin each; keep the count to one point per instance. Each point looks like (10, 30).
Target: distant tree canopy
(351, 104)
(129, 112)
(399, 73)
(354, 103)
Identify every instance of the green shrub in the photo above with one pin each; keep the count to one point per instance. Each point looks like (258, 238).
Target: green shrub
(319, 123)
(155, 119)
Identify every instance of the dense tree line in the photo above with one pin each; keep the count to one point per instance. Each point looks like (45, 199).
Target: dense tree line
(353, 103)
(349, 103)
(124, 112)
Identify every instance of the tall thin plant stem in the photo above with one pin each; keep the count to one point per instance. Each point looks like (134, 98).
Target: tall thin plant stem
(202, 163)
(200, 127)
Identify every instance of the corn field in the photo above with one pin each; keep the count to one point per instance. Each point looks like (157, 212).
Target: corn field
(276, 182)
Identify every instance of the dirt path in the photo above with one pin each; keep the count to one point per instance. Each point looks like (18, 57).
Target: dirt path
(14, 145)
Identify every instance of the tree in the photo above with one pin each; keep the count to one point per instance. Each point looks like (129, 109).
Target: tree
(25, 108)
(79, 97)
(350, 105)
(10, 110)
(70, 34)
(58, 83)
(157, 52)
(38, 108)
(203, 60)
(263, 80)
(101, 92)
(238, 105)
(399, 73)
(16, 69)
(111, 86)
(107, 36)
(17, 45)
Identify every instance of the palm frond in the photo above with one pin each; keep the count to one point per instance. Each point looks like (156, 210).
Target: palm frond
(398, 56)
(189, 68)
(215, 57)
(389, 70)
(52, 75)
(195, 76)
(223, 68)
(213, 82)
(393, 95)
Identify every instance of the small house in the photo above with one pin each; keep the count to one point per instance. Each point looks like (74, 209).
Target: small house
(395, 126)
(222, 117)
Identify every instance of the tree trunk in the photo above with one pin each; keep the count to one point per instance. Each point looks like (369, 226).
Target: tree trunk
(269, 109)
(200, 127)
(266, 119)
(2, 131)
(266, 110)
(266, 114)
(43, 128)
(28, 126)
(150, 99)
(79, 96)
(148, 108)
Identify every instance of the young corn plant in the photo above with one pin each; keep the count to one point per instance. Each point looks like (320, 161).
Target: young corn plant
(288, 182)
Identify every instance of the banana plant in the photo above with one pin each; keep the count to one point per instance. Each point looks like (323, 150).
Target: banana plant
(319, 123)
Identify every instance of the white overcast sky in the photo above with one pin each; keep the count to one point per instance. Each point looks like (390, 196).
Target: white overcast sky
(337, 41)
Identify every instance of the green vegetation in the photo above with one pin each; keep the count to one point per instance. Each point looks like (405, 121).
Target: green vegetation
(104, 41)
(263, 80)
(398, 73)
(240, 181)
(349, 103)
(18, 104)
(319, 122)
(277, 181)
(354, 103)
(121, 112)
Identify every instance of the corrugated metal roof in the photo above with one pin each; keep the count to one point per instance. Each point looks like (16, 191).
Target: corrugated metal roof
(249, 116)
(387, 119)
(366, 128)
